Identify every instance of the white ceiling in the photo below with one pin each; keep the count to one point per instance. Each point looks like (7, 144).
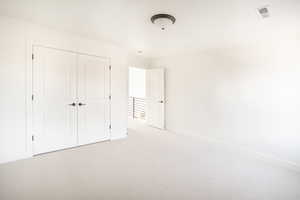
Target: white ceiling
(200, 24)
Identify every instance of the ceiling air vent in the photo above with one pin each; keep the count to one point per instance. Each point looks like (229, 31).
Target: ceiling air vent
(264, 11)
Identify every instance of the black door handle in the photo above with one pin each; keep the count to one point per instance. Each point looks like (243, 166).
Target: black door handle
(72, 104)
(81, 104)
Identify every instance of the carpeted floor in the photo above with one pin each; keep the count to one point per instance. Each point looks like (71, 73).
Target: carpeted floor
(148, 165)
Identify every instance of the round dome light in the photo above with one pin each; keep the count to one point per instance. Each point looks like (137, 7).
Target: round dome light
(163, 20)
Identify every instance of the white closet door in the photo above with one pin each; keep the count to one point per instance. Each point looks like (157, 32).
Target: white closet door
(155, 97)
(54, 88)
(93, 99)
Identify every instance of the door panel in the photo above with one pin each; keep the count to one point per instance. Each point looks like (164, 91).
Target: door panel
(54, 87)
(155, 96)
(93, 94)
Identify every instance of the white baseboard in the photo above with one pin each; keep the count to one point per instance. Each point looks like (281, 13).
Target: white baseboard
(119, 137)
(22, 157)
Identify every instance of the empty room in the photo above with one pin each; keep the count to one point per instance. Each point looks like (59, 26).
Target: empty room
(149, 100)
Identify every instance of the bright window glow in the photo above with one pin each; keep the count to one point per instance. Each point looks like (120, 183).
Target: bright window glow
(137, 82)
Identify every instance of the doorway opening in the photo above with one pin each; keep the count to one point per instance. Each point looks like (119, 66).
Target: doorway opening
(137, 94)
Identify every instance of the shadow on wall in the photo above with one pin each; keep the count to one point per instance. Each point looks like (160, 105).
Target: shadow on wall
(245, 96)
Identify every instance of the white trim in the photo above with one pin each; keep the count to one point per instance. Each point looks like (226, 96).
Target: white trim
(28, 94)
(119, 137)
(74, 147)
(70, 51)
(23, 157)
(110, 99)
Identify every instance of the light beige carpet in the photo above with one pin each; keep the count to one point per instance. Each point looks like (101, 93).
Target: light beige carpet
(150, 165)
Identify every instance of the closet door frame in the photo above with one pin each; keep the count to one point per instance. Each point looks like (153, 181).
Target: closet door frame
(30, 91)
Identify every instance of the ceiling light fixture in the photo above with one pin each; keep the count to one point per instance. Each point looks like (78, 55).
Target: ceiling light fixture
(264, 11)
(163, 20)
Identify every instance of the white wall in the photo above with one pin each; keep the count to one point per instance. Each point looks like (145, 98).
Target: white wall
(12, 90)
(16, 41)
(244, 96)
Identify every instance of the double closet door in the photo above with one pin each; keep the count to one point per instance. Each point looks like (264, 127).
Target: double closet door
(71, 104)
